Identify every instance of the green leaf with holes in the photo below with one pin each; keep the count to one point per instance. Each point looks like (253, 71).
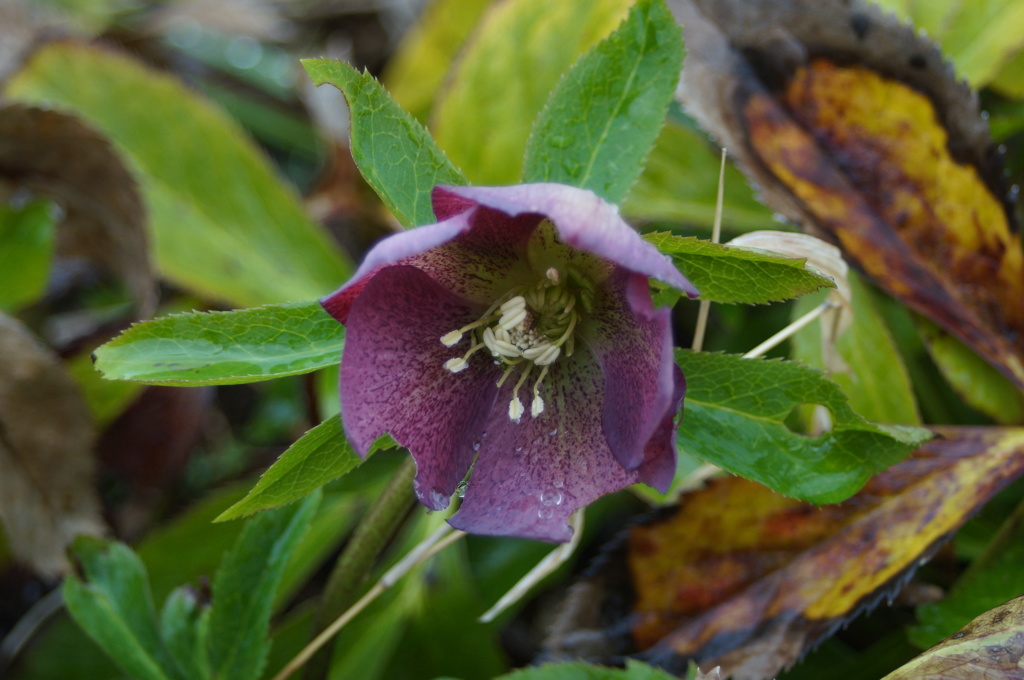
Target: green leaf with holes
(735, 415)
(225, 348)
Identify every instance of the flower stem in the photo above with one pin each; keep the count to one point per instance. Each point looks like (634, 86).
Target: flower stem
(716, 236)
(369, 539)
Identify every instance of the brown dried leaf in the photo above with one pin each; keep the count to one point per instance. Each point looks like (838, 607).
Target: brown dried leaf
(46, 464)
(57, 155)
(990, 646)
(738, 576)
(855, 127)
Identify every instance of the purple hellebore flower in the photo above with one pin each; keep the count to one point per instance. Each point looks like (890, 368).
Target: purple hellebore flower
(517, 332)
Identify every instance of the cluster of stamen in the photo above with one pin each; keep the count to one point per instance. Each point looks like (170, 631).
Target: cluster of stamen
(528, 327)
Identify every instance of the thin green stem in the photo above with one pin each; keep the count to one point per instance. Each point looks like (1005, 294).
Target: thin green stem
(350, 571)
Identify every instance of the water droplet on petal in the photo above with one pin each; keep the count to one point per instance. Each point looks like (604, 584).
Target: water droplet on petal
(460, 490)
(558, 485)
(518, 449)
(476, 446)
(545, 512)
(553, 432)
(551, 497)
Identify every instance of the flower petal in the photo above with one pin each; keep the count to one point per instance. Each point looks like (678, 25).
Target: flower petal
(393, 378)
(583, 219)
(477, 254)
(531, 476)
(659, 466)
(633, 343)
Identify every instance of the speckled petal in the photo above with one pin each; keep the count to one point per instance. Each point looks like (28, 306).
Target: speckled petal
(659, 466)
(477, 254)
(531, 476)
(633, 343)
(584, 221)
(393, 378)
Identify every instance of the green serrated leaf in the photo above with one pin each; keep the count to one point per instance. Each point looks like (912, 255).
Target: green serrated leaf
(184, 625)
(503, 77)
(244, 588)
(225, 348)
(27, 240)
(680, 184)
(739, 275)
(320, 455)
(734, 417)
(223, 224)
(395, 153)
(601, 120)
(115, 608)
(876, 382)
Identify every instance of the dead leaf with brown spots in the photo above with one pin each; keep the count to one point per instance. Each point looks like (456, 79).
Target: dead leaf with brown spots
(55, 154)
(990, 646)
(46, 461)
(855, 127)
(740, 577)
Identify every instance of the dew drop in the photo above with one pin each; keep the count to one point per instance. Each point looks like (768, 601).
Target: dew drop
(558, 484)
(545, 512)
(551, 497)
(476, 446)
(460, 490)
(553, 432)
(518, 449)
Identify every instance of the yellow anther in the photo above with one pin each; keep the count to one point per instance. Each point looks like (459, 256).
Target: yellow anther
(515, 410)
(457, 364)
(451, 339)
(549, 356)
(512, 319)
(537, 407)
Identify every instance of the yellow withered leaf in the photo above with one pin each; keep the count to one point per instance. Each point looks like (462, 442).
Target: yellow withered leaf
(738, 576)
(855, 127)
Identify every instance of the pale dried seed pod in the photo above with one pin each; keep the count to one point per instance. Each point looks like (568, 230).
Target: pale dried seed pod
(825, 258)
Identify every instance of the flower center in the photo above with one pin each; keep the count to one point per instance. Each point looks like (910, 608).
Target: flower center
(528, 327)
